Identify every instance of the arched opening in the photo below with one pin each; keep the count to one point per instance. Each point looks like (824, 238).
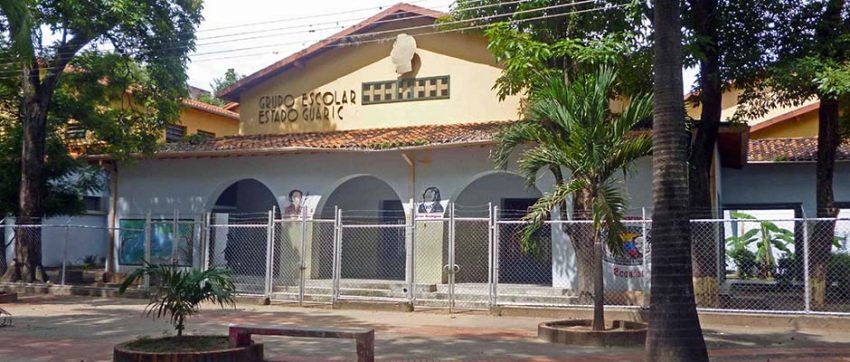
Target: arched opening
(516, 265)
(238, 239)
(375, 247)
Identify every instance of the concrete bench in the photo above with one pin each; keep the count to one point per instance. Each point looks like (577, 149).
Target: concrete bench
(241, 336)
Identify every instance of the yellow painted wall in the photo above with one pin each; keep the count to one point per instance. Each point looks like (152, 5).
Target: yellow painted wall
(194, 120)
(343, 70)
(803, 126)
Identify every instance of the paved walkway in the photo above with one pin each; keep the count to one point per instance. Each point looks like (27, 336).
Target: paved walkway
(49, 328)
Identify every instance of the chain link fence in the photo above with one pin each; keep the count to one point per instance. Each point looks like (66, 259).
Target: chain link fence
(472, 261)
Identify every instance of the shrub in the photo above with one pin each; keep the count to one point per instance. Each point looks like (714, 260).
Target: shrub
(745, 262)
(838, 274)
(789, 269)
(180, 292)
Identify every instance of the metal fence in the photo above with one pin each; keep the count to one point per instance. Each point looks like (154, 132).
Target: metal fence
(462, 260)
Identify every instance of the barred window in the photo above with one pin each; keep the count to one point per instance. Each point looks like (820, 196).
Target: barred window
(175, 133)
(408, 89)
(206, 134)
(75, 132)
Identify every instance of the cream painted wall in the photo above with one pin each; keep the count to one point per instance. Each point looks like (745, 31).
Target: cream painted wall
(195, 120)
(342, 71)
(730, 106)
(805, 125)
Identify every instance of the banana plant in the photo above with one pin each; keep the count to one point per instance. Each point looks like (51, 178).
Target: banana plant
(766, 237)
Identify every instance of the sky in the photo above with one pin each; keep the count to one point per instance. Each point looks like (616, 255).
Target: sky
(248, 35)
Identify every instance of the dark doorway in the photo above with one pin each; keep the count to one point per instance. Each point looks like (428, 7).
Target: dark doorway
(517, 265)
(391, 245)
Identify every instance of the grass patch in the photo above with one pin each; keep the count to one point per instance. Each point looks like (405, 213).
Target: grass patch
(180, 344)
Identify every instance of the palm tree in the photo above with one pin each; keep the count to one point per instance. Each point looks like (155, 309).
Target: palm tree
(571, 126)
(181, 292)
(674, 330)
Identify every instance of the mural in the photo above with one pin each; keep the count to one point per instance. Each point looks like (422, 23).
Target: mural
(296, 202)
(633, 247)
(163, 250)
(431, 205)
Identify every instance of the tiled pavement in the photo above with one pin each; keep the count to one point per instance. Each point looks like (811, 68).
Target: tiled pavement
(85, 329)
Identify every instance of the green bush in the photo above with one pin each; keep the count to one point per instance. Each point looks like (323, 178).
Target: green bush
(789, 269)
(745, 262)
(838, 269)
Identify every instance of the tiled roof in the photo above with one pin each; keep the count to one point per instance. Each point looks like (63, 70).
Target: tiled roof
(206, 107)
(360, 140)
(801, 149)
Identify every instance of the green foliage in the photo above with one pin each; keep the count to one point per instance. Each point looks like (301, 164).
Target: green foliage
(789, 268)
(229, 78)
(745, 262)
(180, 292)
(838, 270)
(766, 237)
(532, 51)
(66, 178)
(571, 126)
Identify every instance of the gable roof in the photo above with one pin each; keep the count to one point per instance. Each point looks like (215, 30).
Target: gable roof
(232, 93)
(209, 108)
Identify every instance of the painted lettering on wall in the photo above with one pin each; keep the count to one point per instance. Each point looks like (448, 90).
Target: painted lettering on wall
(628, 273)
(307, 107)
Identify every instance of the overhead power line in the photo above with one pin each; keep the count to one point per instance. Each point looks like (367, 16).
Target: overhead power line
(351, 39)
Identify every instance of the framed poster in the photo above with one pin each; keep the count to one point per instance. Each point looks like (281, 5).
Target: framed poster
(163, 248)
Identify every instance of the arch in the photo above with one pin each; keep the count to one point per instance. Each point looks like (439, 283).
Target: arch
(242, 249)
(509, 192)
(249, 185)
(375, 252)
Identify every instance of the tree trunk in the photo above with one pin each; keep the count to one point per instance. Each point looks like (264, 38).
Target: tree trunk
(598, 285)
(704, 235)
(582, 237)
(27, 263)
(823, 232)
(674, 329)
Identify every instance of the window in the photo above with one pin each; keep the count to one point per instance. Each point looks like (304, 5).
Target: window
(94, 204)
(206, 134)
(175, 133)
(403, 90)
(75, 132)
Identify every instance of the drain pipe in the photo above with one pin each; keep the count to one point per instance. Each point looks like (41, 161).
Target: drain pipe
(411, 166)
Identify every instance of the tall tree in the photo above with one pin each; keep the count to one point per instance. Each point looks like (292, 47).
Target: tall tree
(571, 125)
(674, 329)
(729, 41)
(47, 35)
(229, 78)
(567, 45)
(812, 61)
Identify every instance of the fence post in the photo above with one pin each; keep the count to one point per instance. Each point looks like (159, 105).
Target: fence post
(451, 261)
(205, 257)
(65, 251)
(490, 227)
(147, 247)
(806, 282)
(303, 266)
(496, 243)
(411, 253)
(336, 273)
(175, 237)
(269, 251)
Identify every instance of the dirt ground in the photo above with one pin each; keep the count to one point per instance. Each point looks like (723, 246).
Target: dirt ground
(51, 328)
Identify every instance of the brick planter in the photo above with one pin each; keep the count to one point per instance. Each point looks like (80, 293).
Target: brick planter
(577, 332)
(250, 353)
(8, 297)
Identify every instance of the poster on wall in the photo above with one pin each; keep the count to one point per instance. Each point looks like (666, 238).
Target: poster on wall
(431, 205)
(299, 203)
(163, 248)
(628, 262)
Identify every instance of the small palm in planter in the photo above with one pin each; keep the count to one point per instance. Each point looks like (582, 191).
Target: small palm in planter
(180, 292)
